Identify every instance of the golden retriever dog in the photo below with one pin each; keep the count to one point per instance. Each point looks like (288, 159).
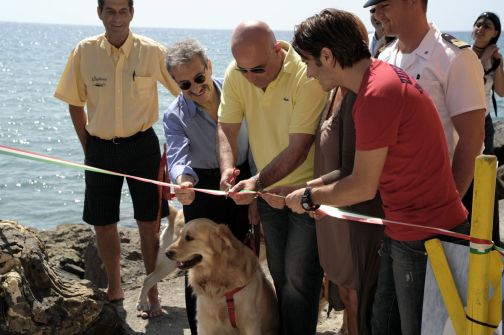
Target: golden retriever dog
(164, 266)
(219, 264)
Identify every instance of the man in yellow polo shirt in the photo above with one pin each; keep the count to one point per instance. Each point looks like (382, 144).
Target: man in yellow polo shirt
(268, 86)
(115, 76)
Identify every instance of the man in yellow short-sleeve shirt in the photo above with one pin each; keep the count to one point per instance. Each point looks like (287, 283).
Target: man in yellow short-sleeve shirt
(114, 75)
(267, 86)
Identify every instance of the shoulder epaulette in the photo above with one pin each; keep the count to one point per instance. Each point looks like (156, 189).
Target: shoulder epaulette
(455, 41)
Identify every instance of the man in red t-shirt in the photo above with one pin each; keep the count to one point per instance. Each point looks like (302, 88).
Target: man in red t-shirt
(400, 151)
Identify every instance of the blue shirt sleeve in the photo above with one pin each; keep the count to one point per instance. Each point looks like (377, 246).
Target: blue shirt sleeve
(178, 154)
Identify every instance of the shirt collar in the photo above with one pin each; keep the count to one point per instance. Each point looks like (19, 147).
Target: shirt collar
(289, 64)
(428, 43)
(125, 48)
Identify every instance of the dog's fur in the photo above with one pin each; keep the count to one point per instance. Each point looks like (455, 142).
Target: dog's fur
(217, 263)
(164, 266)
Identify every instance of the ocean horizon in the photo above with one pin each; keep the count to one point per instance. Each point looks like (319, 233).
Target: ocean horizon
(33, 57)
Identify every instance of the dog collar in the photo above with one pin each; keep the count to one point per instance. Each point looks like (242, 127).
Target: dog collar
(231, 305)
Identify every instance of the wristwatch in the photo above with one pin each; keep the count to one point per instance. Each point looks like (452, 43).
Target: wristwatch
(306, 200)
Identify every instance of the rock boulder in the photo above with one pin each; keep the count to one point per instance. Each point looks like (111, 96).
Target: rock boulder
(37, 297)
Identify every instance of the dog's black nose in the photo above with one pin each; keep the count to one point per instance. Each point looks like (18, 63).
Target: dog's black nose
(170, 254)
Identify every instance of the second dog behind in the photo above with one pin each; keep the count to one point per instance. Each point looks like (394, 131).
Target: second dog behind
(233, 295)
(164, 266)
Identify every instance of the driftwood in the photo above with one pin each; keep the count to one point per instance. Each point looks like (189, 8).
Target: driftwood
(36, 298)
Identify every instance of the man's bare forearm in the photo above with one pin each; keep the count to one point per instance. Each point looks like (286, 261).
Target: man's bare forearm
(463, 167)
(79, 120)
(470, 128)
(227, 134)
(288, 160)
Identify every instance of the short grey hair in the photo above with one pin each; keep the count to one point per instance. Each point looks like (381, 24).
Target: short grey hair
(183, 52)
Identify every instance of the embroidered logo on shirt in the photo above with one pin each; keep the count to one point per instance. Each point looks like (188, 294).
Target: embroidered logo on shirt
(99, 81)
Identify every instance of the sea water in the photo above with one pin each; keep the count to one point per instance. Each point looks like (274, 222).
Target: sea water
(32, 57)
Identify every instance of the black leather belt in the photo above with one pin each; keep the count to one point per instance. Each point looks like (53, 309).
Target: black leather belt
(207, 172)
(216, 172)
(123, 140)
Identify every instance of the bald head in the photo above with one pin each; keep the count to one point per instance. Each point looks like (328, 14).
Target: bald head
(258, 55)
(252, 34)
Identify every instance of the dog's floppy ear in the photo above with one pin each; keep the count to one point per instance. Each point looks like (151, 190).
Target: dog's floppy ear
(225, 235)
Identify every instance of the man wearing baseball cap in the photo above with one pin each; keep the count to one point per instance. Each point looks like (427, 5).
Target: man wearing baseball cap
(453, 77)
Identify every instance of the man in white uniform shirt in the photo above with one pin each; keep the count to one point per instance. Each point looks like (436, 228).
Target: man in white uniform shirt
(450, 73)
(452, 76)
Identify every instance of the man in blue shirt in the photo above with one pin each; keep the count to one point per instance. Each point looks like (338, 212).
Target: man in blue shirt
(190, 125)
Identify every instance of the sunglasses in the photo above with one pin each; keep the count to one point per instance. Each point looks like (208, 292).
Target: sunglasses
(372, 10)
(257, 69)
(186, 84)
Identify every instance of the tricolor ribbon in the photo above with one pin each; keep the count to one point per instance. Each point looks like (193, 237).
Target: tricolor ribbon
(57, 161)
(478, 246)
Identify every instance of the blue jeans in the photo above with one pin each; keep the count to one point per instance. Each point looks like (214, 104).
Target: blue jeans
(397, 308)
(400, 288)
(291, 250)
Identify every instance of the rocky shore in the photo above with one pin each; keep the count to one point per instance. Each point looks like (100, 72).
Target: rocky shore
(53, 283)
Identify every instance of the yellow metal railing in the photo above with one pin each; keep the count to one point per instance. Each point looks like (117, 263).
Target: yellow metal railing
(484, 296)
(478, 291)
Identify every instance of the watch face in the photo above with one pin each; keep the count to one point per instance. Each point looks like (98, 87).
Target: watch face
(306, 202)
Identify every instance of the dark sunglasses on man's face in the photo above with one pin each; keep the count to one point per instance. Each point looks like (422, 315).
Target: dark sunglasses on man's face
(257, 69)
(186, 84)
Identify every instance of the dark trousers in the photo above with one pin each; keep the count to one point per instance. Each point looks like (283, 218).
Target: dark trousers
(489, 136)
(397, 308)
(293, 261)
(219, 209)
(489, 150)
(137, 155)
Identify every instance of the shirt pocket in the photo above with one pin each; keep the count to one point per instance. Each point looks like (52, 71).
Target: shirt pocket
(144, 86)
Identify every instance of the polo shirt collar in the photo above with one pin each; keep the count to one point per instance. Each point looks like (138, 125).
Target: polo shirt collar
(289, 63)
(126, 47)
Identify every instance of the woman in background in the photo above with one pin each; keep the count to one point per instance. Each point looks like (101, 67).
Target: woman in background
(486, 32)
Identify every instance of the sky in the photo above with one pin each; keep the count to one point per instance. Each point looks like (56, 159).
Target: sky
(449, 15)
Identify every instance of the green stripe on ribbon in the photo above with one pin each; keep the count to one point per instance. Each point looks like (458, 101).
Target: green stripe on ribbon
(478, 252)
